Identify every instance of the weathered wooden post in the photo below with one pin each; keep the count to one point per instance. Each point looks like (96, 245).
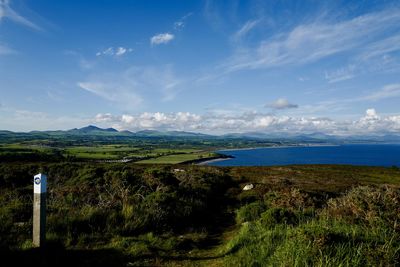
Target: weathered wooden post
(39, 209)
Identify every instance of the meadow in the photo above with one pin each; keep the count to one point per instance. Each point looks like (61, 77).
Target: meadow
(103, 152)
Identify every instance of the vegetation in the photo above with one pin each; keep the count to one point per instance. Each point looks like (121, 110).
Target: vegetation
(112, 214)
(75, 146)
(179, 158)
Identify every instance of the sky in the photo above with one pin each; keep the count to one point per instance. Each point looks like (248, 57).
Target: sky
(201, 66)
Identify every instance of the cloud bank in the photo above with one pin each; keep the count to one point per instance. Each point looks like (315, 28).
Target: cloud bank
(370, 123)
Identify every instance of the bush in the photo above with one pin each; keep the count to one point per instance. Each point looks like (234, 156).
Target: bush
(367, 205)
(250, 212)
(291, 198)
(275, 216)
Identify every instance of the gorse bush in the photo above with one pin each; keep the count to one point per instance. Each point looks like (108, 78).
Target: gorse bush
(291, 198)
(367, 205)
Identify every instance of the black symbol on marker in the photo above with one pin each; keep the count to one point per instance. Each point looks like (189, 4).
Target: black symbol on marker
(37, 180)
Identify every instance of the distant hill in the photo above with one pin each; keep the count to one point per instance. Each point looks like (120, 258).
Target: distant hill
(170, 134)
(95, 132)
(91, 130)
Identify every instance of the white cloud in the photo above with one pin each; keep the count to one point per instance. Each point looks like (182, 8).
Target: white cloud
(387, 91)
(245, 29)
(341, 74)
(147, 120)
(106, 117)
(381, 47)
(179, 25)
(378, 56)
(340, 104)
(371, 123)
(120, 51)
(113, 91)
(128, 88)
(162, 38)
(111, 51)
(127, 119)
(311, 42)
(7, 12)
(215, 123)
(182, 21)
(371, 113)
(281, 103)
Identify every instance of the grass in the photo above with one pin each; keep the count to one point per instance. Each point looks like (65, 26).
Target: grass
(101, 151)
(20, 148)
(172, 151)
(178, 158)
(319, 241)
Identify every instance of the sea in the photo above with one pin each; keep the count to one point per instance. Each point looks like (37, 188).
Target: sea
(360, 154)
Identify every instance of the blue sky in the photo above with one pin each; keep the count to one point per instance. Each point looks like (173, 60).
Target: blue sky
(203, 66)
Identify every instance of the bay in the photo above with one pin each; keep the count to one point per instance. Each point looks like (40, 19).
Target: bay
(360, 154)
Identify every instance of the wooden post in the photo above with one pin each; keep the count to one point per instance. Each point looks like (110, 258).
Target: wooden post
(39, 209)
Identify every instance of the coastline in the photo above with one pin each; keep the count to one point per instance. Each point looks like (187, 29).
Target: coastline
(208, 161)
(205, 161)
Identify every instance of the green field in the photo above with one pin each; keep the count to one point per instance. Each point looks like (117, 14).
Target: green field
(178, 158)
(100, 152)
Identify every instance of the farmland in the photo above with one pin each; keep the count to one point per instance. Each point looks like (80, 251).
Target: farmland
(95, 144)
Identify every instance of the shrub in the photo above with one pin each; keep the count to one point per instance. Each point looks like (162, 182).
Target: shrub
(274, 216)
(291, 198)
(249, 196)
(250, 212)
(367, 205)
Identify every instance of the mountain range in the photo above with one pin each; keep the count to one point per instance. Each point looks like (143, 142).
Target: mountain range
(92, 130)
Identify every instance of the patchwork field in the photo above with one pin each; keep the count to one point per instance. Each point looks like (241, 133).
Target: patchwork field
(99, 152)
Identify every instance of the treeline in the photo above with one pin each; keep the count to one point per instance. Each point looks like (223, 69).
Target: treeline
(33, 156)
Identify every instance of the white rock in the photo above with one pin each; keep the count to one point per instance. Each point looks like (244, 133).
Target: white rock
(248, 187)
